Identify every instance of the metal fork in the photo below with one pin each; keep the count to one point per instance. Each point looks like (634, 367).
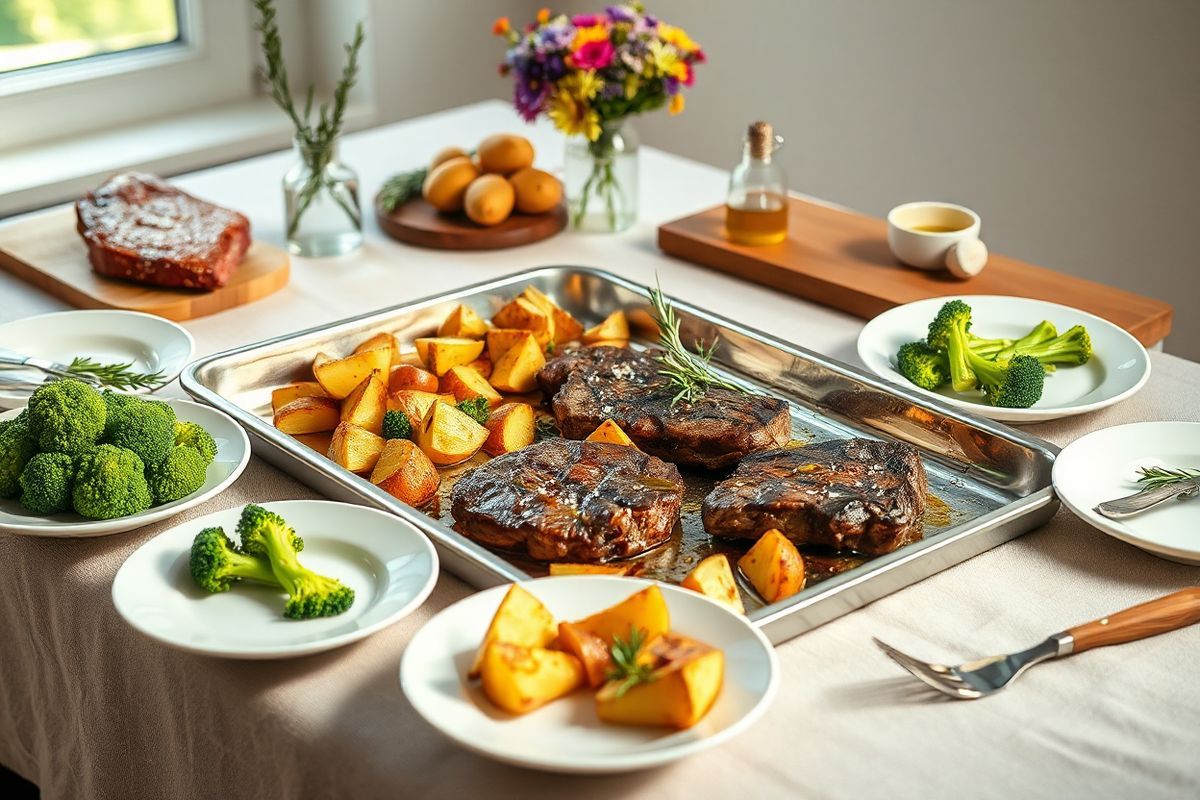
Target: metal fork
(986, 676)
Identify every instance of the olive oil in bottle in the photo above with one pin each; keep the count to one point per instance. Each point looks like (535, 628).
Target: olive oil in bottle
(756, 208)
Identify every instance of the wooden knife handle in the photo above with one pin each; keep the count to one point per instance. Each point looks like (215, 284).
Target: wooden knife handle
(1167, 613)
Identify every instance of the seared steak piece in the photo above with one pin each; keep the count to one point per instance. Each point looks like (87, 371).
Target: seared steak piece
(563, 500)
(592, 384)
(849, 494)
(140, 228)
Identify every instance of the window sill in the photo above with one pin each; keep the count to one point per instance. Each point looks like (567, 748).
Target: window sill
(42, 175)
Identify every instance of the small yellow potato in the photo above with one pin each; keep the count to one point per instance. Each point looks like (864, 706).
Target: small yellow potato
(520, 619)
(504, 153)
(447, 153)
(537, 191)
(520, 679)
(445, 186)
(489, 200)
(774, 567)
(713, 577)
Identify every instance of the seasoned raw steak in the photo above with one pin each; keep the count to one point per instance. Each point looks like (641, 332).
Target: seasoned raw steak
(140, 228)
(592, 384)
(564, 500)
(850, 494)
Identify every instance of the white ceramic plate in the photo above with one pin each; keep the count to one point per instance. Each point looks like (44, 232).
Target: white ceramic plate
(151, 343)
(565, 735)
(390, 565)
(1119, 366)
(1104, 465)
(233, 454)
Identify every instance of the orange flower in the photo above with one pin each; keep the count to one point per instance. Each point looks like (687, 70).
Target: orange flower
(543, 16)
(676, 106)
(501, 26)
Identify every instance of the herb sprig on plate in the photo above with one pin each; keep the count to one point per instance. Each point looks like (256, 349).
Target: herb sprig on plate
(690, 374)
(1153, 477)
(115, 376)
(626, 668)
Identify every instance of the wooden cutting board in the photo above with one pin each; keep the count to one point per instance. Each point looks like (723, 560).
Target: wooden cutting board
(418, 223)
(45, 250)
(841, 259)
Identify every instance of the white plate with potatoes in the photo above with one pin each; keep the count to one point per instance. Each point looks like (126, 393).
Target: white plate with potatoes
(565, 733)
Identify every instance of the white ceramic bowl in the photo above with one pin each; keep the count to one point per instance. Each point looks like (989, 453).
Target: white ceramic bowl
(925, 249)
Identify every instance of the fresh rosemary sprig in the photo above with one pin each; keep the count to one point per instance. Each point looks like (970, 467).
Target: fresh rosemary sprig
(115, 376)
(626, 668)
(690, 374)
(401, 188)
(1153, 477)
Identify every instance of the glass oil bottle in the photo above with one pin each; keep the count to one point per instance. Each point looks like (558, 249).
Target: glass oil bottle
(756, 208)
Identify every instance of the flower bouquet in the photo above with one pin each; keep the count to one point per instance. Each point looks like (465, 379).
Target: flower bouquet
(589, 73)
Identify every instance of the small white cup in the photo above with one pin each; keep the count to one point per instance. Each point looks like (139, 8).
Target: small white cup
(925, 249)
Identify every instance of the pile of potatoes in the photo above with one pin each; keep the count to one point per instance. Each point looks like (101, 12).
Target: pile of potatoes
(500, 178)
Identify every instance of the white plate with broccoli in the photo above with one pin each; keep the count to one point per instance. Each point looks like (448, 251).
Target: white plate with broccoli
(238, 584)
(1087, 363)
(70, 467)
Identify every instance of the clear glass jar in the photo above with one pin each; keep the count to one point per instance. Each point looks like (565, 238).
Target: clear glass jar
(756, 206)
(320, 196)
(601, 179)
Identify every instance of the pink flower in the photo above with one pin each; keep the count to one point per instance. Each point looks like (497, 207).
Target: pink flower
(593, 55)
(586, 20)
(690, 77)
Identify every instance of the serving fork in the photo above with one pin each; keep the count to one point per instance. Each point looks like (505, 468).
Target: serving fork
(986, 676)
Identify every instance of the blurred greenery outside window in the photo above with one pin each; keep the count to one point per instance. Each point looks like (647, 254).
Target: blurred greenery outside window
(39, 33)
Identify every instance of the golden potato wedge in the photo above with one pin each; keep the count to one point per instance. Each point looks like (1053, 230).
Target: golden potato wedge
(520, 679)
(645, 610)
(317, 441)
(463, 323)
(355, 448)
(382, 340)
(609, 343)
(614, 326)
(308, 415)
(517, 369)
(610, 432)
(510, 428)
(565, 326)
(366, 405)
(415, 403)
(448, 436)
(482, 365)
(642, 321)
(339, 376)
(406, 376)
(442, 353)
(590, 649)
(466, 384)
(713, 577)
(293, 391)
(501, 340)
(520, 619)
(686, 679)
(773, 566)
(522, 313)
(590, 569)
(406, 473)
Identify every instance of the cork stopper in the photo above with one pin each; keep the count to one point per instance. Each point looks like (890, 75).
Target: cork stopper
(762, 140)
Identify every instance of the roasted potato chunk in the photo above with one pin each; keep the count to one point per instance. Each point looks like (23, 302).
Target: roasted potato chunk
(590, 569)
(520, 679)
(713, 577)
(442, 353)
(308, 415)
(317, 441)
(339, 376)
(686, 680)
(774, 567)
(463, 323)
(294, 391)
(406, 473)
(510, 428)
(366, 405)
(466, 384)
(407, 376)
(522, 313)
(566, 327)
(415, 404)
(448, 436)
(501, 340)
(645, 611)
(382, 340)
(520, 619)
(517, 369)
(610, 432)
(355, 448)
(614, 326)
(589, 648)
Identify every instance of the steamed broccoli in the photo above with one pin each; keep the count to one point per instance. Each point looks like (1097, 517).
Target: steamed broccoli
(17, 446)
(923, 365)
(147, 427)
(1042, 332)
(396, 425)
(266, 534)
(190, 434)
(215, 563)
(46, 483)
(110, 482)
(1072, 348)
(66, 416)
(1014, 383)
(182, 472)
(948, 333)
(476, 408)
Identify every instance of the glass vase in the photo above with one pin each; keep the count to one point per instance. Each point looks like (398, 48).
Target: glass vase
(321, 207)
(602, 179)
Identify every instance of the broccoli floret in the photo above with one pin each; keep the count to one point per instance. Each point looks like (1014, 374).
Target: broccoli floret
(1042, 332)
(396, 425)
(948, 333)
(215, 563)
(110, 482)
(190, 434)
(476, 408)
(66, 416)
(265, 533)
(46, 483)
(923, 365)
(17, 446)
(1015, 383)
(147, 427)
(1072, 348)
(182, 472)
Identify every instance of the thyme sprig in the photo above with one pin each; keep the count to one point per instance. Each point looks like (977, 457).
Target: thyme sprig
(115, 376)
(1153, 477)
(626, 668)
(400, 188)
(690, 374)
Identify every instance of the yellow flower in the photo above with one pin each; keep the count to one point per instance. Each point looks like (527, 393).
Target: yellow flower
(662, 60)
(596, 33)
(569, 109)
(677, 37)
(543, 16)
(582, 85)
(676, 106)
(632, 84)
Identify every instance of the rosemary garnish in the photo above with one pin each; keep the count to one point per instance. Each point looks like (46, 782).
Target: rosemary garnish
(115, 376)
(690, 374)
(401, 188)
(626, 668)
(1153, 477)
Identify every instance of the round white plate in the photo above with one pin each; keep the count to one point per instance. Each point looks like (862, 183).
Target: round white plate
(1119, 366)
(565, 735)
(233, 454)
(388, 563)
(152, 343)
(1104, 465)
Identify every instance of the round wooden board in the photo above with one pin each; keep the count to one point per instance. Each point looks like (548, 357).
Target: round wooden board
(416, 222)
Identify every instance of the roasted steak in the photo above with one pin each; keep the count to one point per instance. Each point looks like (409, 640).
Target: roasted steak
(849, 494)
(140, 228)
(563, 500)
(592, 384)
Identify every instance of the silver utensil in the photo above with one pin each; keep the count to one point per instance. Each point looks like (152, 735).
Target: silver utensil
(986, 676)
(13, 360)
(1147, 498)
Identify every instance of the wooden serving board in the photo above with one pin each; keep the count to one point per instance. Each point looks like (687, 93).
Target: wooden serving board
(418, 223)
(841, 259)
(47, 251)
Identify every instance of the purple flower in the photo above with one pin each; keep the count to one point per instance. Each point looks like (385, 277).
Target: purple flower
(620, 13)
(671, 85)
(529, 97)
